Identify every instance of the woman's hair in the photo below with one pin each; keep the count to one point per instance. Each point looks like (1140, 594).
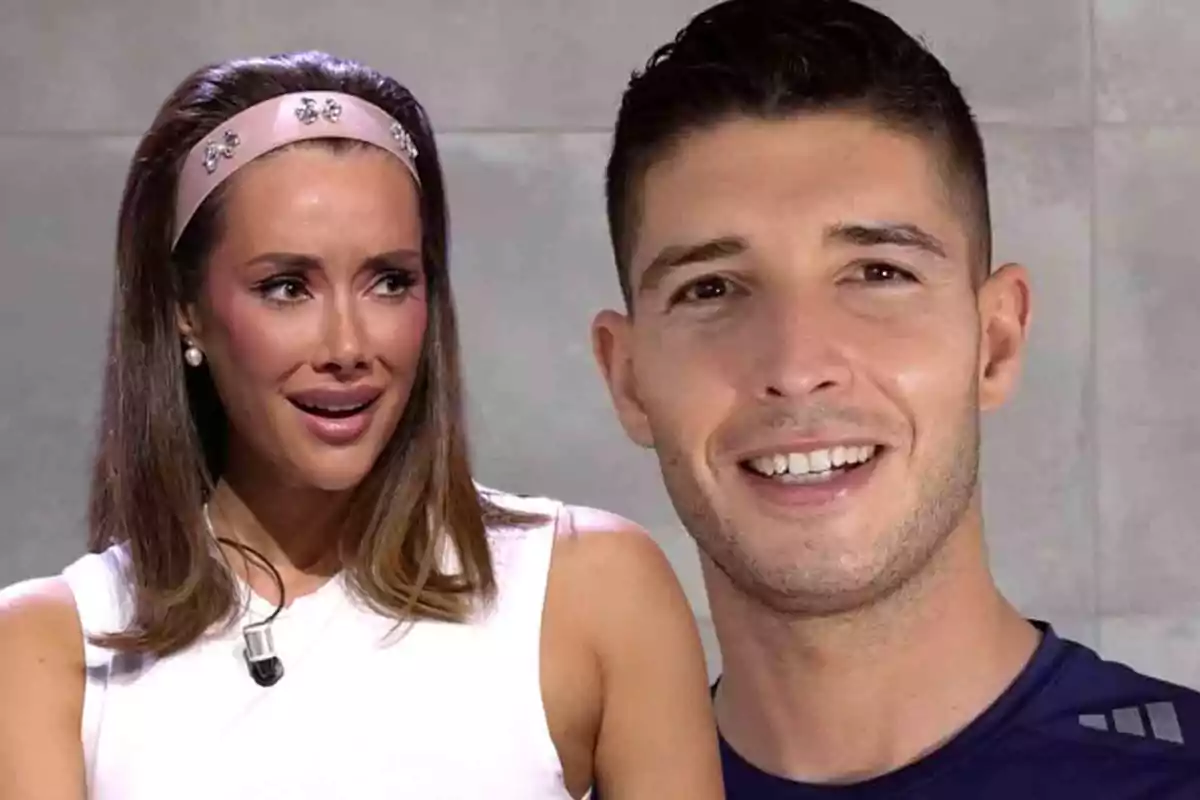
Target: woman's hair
(163, 431)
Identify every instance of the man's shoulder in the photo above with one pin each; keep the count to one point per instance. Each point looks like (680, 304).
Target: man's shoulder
(1089, 683)
(1103, 711)
(1086, 726)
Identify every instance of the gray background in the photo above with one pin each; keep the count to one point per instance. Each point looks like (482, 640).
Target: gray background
(1092, 119)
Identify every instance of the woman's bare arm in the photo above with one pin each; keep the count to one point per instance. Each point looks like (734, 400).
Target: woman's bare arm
(41, 693)
(657, 738)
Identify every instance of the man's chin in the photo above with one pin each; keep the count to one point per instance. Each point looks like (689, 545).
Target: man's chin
(813, 562)
(808, 589)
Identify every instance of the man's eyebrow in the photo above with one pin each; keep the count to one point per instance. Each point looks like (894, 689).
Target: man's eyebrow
(674, 256)
(887, 233)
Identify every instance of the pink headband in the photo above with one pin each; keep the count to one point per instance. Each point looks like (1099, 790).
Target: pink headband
(277, 122)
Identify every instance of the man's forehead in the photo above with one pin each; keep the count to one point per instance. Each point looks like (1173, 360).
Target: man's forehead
(814, 172)
(808, 154)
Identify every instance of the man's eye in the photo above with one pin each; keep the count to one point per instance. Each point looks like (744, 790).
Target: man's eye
(885, 273)
(705, 289)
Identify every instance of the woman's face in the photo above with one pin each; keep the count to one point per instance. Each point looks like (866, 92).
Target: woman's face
(312, 312)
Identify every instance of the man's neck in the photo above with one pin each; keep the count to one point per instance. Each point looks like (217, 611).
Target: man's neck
(843, 699)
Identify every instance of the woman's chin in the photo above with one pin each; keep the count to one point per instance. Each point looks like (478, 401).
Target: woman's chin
(335, 480)
(340, 472)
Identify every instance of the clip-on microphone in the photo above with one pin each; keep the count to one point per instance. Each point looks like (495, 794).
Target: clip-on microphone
(265, 667)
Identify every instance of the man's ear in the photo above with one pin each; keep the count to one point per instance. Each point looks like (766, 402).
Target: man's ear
(1005, 311)
(612, 346)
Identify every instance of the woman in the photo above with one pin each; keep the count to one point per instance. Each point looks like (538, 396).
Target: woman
(295, 588)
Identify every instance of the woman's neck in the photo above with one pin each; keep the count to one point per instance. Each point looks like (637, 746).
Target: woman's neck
(296, 531)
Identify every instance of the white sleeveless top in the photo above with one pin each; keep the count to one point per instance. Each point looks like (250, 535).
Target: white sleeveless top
(437, 711)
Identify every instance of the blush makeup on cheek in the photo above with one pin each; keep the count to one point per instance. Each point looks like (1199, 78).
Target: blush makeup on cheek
(399, 336)
(266, 344)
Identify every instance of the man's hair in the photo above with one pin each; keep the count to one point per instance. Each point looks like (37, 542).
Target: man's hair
(773, 59)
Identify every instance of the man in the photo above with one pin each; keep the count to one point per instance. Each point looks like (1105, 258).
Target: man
(798, 204)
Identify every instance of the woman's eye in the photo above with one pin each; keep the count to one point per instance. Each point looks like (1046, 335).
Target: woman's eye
(283, 290)
(395, 283)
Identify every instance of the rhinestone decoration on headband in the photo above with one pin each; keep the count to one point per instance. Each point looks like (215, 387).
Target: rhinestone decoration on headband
(280, 121)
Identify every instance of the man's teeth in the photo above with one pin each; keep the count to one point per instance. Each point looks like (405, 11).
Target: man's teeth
(813, 462)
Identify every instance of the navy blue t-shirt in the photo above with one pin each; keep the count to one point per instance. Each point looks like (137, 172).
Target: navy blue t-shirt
(1071, 726)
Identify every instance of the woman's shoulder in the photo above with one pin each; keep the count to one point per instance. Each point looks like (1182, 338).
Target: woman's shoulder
(107, 569)
(39, 627)
(43, 604)
(591, 550)
(500, 506)
(41, 687)
(581, 532)
(615, 596)
(599, 548)
(52, 611)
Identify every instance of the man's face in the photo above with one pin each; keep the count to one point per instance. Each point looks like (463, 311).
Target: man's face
(808, 353)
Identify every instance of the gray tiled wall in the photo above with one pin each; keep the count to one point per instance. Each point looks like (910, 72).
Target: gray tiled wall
(1092, 117)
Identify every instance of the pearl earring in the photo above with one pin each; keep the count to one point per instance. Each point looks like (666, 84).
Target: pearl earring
(193, 355)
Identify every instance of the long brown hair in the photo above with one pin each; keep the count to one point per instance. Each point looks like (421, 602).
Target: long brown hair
(163, 431)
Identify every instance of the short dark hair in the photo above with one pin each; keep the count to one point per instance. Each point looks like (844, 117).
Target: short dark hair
(162, 428)
(776, 58)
